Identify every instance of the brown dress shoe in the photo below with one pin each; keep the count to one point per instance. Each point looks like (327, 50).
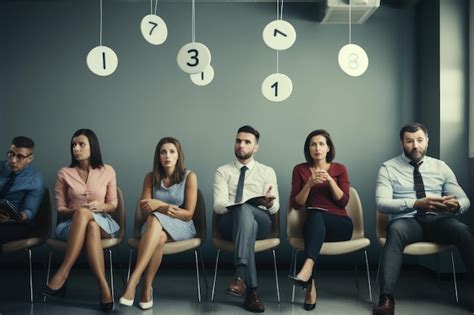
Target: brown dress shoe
(252, 303)
(236, 287)
(386, 306)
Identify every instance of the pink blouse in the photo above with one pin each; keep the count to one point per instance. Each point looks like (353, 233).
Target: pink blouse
(72, 192)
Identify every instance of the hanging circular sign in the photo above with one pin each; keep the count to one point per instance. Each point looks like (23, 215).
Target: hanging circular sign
(277, 87)
(194, 57)
(203, 78)
(102, 60)
(154, 29)
(353, 60)
(279, 35)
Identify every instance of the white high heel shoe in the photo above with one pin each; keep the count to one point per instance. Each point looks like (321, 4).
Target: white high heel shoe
(147, 305)
(126, 302)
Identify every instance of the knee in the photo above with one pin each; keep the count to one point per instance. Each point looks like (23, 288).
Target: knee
(93, 228)
(396, 232)
(463, 233)
(82, 214)
(163, 238)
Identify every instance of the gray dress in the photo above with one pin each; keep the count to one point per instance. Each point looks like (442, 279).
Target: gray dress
(178, 229)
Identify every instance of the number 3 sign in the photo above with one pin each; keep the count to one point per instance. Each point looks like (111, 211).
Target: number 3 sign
(194, 57)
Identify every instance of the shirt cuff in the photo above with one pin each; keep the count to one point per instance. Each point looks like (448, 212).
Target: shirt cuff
(29, 214)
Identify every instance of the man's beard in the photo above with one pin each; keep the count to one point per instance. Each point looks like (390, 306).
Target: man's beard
(413, 156)
(243, 156)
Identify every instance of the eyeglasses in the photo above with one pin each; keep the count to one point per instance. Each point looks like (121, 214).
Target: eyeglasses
(18, 157)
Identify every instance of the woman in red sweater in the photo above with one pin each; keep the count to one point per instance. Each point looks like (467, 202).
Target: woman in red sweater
(319, 187)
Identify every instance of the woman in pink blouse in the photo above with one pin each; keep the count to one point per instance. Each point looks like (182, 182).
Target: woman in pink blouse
(86, 195)
(320, 187)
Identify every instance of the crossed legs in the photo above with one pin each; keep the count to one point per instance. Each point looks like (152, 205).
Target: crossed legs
(84, 233)
(150, 254)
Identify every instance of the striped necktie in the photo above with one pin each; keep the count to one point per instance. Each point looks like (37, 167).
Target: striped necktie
(418, 180)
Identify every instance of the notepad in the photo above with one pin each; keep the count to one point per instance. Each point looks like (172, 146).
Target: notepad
(10, 208)
(317, 208)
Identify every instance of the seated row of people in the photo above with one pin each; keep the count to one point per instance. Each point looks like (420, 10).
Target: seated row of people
(421, 194)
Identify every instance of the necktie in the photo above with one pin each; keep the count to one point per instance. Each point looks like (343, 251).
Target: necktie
(8, 184)
(418, 180)
(240, 185)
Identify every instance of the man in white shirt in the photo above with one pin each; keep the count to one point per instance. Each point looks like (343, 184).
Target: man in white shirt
(245, 195)
(423, 198)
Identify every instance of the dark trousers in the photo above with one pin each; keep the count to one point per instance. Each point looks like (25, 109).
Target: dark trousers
(320, 227)
(244, 225)
(443, 229)
(12, 231)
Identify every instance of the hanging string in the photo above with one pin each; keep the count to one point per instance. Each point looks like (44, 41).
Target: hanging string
(193, 21)
(151, 7)
(350, 21)
(100, 32)
(279, 14)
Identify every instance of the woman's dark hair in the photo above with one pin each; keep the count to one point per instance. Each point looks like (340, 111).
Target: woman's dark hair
(320, 132)
(159, 172)
(96, 157)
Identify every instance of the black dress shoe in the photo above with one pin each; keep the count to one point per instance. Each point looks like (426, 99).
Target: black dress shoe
(106, 307)
(61, 292)
(297, 281)
(308, 306)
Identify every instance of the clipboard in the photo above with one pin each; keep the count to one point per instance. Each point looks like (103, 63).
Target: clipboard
(10, 208)
(317, 208)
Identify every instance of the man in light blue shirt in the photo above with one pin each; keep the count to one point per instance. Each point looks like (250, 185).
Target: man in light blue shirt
(22, 186)
(423, 198)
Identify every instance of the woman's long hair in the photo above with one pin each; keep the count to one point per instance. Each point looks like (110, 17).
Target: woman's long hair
(158, 170)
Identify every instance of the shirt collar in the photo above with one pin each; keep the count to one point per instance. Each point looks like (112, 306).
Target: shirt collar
(406, 159)
(249, 165)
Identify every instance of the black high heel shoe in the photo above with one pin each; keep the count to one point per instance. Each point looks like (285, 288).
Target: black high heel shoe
(308, 306)
(61, 292)
(297, 281)
(106, 307)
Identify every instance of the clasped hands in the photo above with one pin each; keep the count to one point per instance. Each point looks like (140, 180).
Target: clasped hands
(437, 204)
(149, 205)
(318, 177)
(94, 206)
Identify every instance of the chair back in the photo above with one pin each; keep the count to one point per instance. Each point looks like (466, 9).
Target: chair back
(295, 218)
(119, 215)
(355, 212)
(41, 225)
(199, 219)
(381, 222)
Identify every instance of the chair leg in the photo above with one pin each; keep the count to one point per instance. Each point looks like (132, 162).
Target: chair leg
(197, 276)
(295, 256)
(31, 275)
(111, 276)
(49, 270)
(454, 277)
(378, 270)
(204, 272)
(368, 276)
(276, 275)
(355, 278)
(129, 264)
(215, 275)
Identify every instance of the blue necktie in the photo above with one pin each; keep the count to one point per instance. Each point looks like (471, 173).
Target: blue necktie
(240, 185)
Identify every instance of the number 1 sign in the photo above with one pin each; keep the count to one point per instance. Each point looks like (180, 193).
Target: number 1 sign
(102, 60)
(277, 87)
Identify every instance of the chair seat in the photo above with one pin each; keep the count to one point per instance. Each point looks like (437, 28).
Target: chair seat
(172, 247)
(421, 248)
(334, 248)
(60, 245)
(260, 245)
(21, 244)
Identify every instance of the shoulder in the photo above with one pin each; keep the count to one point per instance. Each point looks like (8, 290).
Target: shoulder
(301, 166)
(393, 162)
(108, 169)
(66, 171)
(338, 168)
(36, 177)
(225, 168)
(264, 169)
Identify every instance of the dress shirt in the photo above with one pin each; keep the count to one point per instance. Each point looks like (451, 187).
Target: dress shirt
(27, 191)
(258, 178)
(395, 191)
(72, 192)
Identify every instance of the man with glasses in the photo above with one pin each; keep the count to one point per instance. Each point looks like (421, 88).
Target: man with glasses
(20, 185)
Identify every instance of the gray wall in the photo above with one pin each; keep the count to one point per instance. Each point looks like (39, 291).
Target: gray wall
(47, 92)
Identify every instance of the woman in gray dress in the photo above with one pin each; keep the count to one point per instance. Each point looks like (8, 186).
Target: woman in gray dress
(168, 202)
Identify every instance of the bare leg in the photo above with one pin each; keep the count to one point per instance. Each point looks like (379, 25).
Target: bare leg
(307, 270)
(146, 249)
(77, 234)
(152, 268)
(95, 256)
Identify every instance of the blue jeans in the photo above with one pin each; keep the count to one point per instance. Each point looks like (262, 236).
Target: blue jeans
(443, 229)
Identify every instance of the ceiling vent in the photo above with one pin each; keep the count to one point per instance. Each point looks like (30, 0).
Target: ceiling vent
(337, 11)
